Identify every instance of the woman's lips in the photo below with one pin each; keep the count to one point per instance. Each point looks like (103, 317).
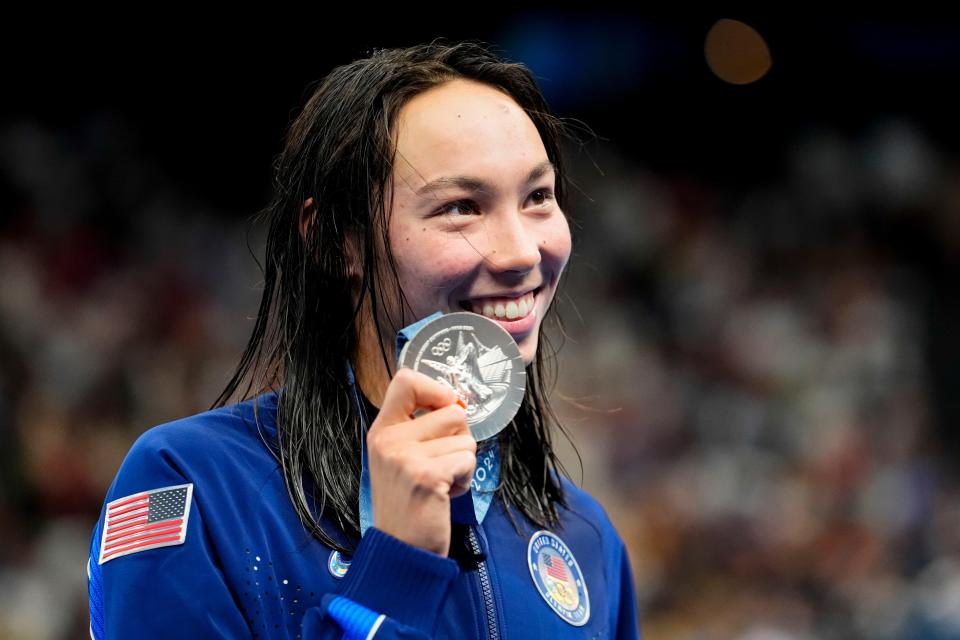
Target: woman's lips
(520, 326)
(523, 309)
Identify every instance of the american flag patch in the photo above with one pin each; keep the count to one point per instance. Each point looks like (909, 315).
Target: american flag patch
(555, 567)
(146, 520)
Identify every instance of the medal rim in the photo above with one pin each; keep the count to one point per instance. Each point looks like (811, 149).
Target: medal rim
(509, 406)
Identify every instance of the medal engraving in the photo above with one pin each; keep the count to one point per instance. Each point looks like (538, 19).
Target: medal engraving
(479, 360)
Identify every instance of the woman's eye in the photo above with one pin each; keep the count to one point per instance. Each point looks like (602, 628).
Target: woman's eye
(545, 194)
(461, 208)
(451, 209)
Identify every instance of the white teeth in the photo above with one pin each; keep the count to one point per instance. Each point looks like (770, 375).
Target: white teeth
(506, 309)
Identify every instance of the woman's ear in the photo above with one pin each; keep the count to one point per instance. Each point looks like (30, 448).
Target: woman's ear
(306, 217)
(351, 246)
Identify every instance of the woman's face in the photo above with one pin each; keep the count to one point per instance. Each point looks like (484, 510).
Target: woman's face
(473, 223)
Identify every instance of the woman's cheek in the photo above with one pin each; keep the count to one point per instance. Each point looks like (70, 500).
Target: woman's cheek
(448, 267)
(557, 242)
(431, 270)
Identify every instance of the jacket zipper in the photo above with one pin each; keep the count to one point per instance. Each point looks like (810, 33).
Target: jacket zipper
(485, 587)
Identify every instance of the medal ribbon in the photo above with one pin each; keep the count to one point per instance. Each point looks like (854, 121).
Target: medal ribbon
(469, 508)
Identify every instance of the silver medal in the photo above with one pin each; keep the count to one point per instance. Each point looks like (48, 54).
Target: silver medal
(479, 360)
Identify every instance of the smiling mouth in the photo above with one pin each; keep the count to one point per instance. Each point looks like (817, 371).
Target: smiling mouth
(502, 308)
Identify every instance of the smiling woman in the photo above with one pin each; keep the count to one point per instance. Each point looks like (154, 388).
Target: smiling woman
(413, 181)
(513, 239)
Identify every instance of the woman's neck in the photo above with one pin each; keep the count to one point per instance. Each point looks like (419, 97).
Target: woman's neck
(372, 380)
(371, 374)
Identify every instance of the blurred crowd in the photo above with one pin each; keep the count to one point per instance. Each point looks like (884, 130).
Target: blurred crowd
(756, 371)
(757, 397)
(124, 303)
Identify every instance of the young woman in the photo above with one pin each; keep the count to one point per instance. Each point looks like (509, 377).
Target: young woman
(414, 181)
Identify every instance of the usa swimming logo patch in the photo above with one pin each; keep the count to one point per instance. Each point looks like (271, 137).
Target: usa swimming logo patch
(336, 565)
(558, 578)
(145, 520)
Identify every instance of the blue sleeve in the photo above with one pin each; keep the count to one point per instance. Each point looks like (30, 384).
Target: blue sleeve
(392, 590)
(626, 625)
(179, 589)
(173, 590)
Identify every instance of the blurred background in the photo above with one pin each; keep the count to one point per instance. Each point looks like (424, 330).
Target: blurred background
(760, 368)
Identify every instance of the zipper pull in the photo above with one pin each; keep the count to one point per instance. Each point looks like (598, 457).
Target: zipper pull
(462, 548)
(476, 545)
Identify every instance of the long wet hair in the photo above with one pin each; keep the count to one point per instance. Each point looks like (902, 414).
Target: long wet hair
(340, 152)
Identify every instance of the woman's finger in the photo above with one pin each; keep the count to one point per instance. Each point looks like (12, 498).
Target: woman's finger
(409, 390)
(457, 468)
(448, 444)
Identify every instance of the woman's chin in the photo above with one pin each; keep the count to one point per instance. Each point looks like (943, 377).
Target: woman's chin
(528, 349)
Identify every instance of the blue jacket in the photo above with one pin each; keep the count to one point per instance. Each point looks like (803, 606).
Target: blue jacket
(198, 539)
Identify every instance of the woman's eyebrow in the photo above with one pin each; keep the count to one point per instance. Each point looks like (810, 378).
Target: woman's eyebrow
(471, 183)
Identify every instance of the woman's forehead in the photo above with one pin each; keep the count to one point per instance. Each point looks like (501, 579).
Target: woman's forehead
(464, 128)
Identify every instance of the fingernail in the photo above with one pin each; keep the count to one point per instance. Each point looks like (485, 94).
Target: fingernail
(462, 404)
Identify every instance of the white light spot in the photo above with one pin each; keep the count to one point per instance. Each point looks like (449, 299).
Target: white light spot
(286, 582)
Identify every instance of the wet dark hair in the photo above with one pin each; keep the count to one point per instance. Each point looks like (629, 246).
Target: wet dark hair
(340, 152)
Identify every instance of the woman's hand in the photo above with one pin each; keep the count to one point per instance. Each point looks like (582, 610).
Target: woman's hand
(418, 464)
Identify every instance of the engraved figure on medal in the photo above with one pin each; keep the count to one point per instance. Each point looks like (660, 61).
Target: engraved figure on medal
(481, 381)
(479, 360)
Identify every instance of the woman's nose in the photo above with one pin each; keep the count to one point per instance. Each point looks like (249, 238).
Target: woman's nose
(513, 245)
